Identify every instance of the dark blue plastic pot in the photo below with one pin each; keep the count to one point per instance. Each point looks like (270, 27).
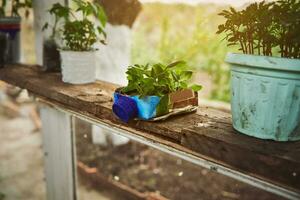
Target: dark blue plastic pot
(125, 108)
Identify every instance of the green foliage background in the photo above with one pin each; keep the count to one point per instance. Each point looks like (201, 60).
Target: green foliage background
(168, 32)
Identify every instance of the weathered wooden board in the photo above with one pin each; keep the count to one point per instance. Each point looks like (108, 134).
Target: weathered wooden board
(207, 133)
(274, 161)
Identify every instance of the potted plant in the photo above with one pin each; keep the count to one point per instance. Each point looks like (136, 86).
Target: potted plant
(79, 34)
(10, 25)
(153, 90)
(51, 56)
(265, 92)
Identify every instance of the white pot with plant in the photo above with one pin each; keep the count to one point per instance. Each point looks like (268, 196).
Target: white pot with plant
(79, 34)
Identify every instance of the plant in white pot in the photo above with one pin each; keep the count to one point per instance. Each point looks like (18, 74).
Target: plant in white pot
(10, 26)
(265, 79)
(79, 34)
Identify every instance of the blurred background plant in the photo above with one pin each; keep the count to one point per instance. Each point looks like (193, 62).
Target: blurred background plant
(163, 34)
(2, 196)
(167, 32)
(264, 28)
(12, 8)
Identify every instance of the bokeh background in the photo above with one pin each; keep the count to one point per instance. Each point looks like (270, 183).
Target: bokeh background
(168, 30)
(164, 31)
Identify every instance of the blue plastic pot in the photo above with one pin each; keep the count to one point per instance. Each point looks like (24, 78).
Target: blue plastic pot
(265, 101)
(125, 107)
(129, 107)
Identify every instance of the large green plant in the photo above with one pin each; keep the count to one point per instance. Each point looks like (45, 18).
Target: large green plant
(79, 31)
(158, 79)
(263, 28)
(81, 34)
(16, 6)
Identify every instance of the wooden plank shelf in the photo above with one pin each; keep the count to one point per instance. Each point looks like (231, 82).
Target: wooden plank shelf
(205, 135)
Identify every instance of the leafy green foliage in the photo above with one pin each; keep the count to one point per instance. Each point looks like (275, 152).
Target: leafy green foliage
(262, 28)
(158, 79)
(163, 106)
(2, 8)
(79, 34)
(60, 13)
(16, 6)
(287, 17)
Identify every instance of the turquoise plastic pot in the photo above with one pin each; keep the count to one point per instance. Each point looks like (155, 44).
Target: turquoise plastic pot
(265, 101)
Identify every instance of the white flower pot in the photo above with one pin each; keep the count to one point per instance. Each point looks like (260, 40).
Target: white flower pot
(78, 67)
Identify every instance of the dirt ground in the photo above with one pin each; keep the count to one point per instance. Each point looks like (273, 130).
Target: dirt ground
(148, 170)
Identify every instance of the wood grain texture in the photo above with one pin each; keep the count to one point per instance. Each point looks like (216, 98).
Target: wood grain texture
(208, 133)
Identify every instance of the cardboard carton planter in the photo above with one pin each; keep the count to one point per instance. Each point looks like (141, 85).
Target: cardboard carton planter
(154, 108)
